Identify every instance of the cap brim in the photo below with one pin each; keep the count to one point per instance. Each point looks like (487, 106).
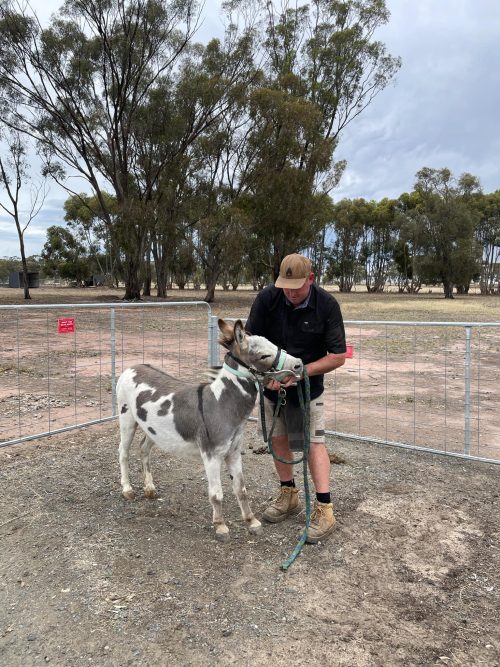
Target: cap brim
(291, 283)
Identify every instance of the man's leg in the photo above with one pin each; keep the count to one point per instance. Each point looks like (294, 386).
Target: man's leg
(287, 502)
(319, 465)
(280, 448)
(322, 519)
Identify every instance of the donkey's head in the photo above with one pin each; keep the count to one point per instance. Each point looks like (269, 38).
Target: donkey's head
(256, 351)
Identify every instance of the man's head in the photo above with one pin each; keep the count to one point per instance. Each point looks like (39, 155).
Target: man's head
(295, 278)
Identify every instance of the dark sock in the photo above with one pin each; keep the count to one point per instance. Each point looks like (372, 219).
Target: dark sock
(323, 497)
(290, 482)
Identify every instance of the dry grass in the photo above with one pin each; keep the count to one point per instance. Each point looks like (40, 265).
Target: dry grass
(355, 306)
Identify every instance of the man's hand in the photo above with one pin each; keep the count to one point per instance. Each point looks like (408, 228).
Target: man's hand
(290, 381)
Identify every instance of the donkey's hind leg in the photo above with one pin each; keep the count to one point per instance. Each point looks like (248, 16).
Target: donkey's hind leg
(149, 487)
(128, 426)
(233, 462)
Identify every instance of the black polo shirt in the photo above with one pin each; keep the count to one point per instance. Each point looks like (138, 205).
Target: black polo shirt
(308, 333)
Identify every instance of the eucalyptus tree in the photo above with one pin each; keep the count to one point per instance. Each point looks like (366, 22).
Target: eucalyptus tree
(203, 100)
(350, 219)
(378, 243)
(283, 203)
(85, 217)
(16, 181)
(487, 233)
(449, 252)
(218, 159)
(410, 225)
(78, 86)
(321, 68)
(64, 255)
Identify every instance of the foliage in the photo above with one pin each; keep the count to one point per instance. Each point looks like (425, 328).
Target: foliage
(120, 94)
(321, 69)
(87, 221)
(449, 253)
(64, 256)
(487, 234)
(350, 219)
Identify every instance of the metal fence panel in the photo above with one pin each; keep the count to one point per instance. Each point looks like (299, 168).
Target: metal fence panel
(59, 363)
(421, 385)
(430, 385)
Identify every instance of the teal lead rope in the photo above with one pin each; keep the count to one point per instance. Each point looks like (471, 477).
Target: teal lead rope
(305, 402)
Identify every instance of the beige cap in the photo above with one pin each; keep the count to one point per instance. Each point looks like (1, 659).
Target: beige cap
(294, 271)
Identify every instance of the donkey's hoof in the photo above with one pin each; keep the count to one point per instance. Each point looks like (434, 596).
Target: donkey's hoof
(222, 536)
(255, 529)
(129, 495)
(150, 493)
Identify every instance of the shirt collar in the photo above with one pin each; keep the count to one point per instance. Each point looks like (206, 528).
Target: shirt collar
(304, 303)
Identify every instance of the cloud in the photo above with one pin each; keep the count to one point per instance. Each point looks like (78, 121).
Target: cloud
(443, 108)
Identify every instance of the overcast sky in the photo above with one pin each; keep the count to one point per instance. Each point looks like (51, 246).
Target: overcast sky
(443, 109)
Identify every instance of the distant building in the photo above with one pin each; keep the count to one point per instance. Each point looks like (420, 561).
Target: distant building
(16, 279)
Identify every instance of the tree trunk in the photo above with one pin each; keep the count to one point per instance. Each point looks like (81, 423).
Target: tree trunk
(277, 263)
(146, 288)
(132, 279)
(160, 260)
(27, 295)
(448, 290)
(211, 275)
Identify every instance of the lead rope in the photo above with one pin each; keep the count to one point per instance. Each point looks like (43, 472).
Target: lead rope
(305, 402)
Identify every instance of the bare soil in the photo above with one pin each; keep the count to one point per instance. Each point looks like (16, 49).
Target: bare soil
(410, 577)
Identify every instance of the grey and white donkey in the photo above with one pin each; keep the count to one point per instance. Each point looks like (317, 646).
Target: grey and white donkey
(208, 418)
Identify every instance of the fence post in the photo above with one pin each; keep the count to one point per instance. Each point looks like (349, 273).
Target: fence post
(113, 364)
(213, 355)
(467, 406)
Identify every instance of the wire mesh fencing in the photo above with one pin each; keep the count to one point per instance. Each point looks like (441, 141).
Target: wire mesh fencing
(429, 385)
(59, 364)
(432, 385)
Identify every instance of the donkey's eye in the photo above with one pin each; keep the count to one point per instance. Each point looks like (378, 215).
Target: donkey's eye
(265, 356)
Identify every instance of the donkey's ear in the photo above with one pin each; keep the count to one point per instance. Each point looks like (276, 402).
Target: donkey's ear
(240, 335)
(227, 333)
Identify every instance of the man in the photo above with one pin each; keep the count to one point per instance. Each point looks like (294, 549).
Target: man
(306, 321)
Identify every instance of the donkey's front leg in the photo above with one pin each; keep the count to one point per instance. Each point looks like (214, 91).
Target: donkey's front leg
(212, 468)
(233, 462)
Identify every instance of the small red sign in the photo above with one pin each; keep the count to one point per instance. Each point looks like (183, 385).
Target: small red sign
(66, 325)
(349, 351)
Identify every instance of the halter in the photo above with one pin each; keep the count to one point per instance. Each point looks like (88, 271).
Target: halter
(261, 376)
(279, 360)
(247, 374)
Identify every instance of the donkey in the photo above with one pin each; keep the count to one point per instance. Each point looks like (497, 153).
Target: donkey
(207, 418)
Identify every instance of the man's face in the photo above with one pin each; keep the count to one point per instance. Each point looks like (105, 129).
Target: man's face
(297, 296)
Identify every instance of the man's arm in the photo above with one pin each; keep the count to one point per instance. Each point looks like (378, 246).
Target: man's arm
(326, 364)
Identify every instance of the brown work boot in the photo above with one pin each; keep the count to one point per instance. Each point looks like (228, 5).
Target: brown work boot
(286, 504)
(322, 522)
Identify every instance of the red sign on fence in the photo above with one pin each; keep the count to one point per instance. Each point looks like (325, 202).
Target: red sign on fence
(349, 351)
(66, 325)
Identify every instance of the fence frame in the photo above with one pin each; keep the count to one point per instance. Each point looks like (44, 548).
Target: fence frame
(113, 308)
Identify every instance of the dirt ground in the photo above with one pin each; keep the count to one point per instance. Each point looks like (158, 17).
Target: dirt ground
(411, 576)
